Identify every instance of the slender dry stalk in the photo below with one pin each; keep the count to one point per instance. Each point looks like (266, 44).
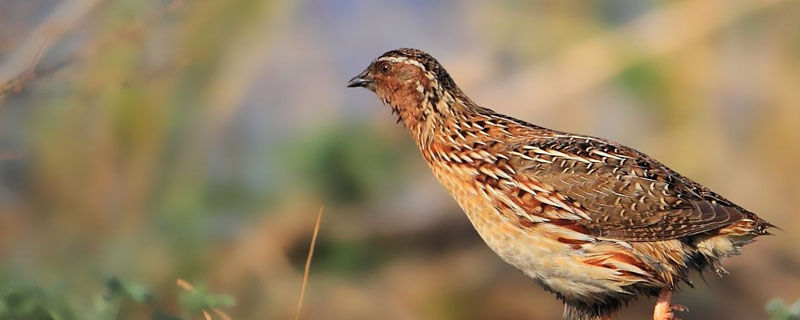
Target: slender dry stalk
(185, 285)
(308, 263)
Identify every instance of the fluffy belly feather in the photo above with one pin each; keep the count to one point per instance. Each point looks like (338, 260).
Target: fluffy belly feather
(559, 267)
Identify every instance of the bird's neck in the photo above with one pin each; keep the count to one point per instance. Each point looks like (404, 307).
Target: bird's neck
(435, 115)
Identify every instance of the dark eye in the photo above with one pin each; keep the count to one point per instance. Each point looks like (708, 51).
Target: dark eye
(384, 67)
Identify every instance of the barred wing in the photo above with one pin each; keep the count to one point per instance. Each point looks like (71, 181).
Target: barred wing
(625, 194)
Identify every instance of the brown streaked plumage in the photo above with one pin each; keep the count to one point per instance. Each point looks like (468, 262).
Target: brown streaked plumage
(593, 221)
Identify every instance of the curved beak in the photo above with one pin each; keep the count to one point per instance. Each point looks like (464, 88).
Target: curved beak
(364, 79)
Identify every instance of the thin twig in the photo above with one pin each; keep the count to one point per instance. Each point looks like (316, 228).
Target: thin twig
(308, 263)
(34, 71)
(19, 67)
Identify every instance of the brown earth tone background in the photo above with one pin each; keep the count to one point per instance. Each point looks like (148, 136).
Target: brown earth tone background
(146, 141)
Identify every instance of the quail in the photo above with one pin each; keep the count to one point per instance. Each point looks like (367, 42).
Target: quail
(592, 221)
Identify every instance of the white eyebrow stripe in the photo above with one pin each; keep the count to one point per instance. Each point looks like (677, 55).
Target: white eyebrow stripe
(403, 60)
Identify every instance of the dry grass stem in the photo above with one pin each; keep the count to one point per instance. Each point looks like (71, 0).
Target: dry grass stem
(308, 263)
(185, 285)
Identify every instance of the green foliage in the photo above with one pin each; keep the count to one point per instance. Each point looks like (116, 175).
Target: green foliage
(121, 296)
(22, 301)
(346, 164)
(645, 79)
(121, 300)
(353, 258)
(778, 310)
(135, 291)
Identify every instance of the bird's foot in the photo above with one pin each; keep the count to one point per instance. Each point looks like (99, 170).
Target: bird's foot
(664, 309)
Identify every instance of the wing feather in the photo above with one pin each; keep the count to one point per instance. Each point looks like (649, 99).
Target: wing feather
(625, 194)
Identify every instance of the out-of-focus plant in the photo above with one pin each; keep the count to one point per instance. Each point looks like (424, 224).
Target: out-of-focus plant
(778, 310)
(121, 300)
(345, 164)
(25, 301)
(121, 295)
(199, 300)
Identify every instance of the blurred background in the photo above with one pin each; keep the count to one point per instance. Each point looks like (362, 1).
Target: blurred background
(142, 142)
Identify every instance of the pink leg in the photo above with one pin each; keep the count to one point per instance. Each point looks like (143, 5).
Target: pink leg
(664, 308)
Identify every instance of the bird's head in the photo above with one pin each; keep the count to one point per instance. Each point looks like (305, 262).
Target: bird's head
(413, 83)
